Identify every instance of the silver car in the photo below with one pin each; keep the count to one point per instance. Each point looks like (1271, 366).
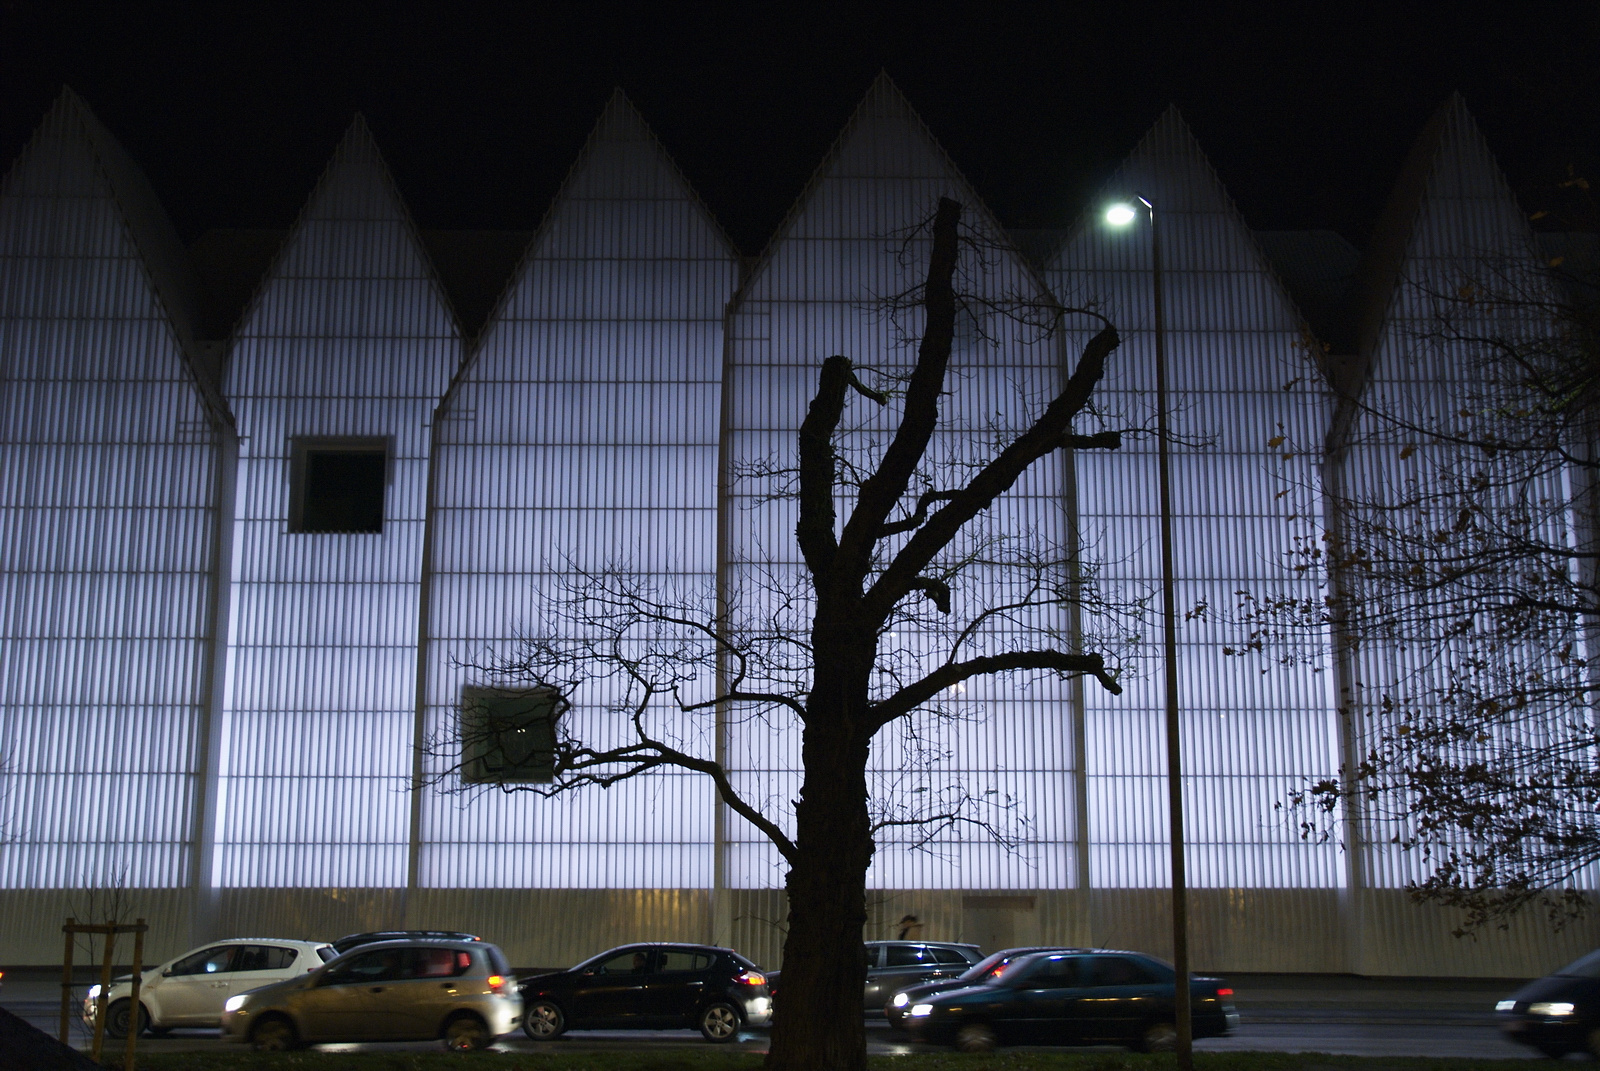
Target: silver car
(460, 991)
(191, 989)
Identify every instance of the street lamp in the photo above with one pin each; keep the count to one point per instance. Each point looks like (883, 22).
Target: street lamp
(1121, 215)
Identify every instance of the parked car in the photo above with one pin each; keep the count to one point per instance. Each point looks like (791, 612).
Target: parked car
(191, 989)
(901, 1001)
(356, 940)
(895, 965)
(1075, 998)
(460, 991)
(650, 987)
(1559, 1013)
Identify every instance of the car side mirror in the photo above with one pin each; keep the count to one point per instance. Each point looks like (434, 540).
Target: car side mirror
(167, 973)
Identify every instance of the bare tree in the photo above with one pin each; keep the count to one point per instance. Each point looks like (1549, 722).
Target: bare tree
(1461, 588)
(875, 631)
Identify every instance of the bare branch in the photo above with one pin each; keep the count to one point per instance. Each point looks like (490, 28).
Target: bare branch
(914, 695)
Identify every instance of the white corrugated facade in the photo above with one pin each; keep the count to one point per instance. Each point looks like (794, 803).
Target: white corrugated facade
(239, 721)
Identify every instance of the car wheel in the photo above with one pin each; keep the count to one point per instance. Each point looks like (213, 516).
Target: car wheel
(274, 1034)
(1158, 1037)
(976, 1037)
(466, 1033)
(719, 1022)
(543, 1021)
(119, 1017)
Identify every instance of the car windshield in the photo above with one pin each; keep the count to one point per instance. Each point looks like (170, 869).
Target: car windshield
(1586, 967)
(976, 974)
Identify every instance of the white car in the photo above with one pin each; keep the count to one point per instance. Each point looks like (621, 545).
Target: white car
(191, 990)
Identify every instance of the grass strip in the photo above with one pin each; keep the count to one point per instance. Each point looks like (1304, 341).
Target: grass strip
(737, 1061)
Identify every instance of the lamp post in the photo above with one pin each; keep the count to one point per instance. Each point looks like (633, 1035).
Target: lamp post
(1121, 215)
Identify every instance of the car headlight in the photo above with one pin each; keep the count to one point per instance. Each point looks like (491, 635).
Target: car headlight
(93, 994)
(921, 1009)
(235, 1003)
(900, 1000)
(1506, 1005)
(1551, 1007)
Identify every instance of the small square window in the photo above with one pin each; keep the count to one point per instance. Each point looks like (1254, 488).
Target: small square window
(337, 485)
(508, 735)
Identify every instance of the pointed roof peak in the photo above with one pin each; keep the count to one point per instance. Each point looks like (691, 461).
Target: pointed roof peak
(882, 99)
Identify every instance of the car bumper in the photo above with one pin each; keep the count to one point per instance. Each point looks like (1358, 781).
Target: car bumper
(757, 1011)
(1545, 1031)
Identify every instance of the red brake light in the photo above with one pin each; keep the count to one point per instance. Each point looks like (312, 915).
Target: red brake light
(750, 978)
(496, 983)
(1224, 992)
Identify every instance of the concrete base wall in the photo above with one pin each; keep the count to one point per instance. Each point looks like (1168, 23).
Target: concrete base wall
(1378, 933)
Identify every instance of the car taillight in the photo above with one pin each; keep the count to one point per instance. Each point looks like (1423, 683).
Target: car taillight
(750, 978)
(496, 983)
(1224, 992)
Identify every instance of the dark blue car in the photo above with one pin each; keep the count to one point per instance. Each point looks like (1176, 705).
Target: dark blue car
(1072, 998)
(1559, 1013)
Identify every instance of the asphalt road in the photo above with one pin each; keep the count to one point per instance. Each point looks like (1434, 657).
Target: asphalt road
(1426, 1035)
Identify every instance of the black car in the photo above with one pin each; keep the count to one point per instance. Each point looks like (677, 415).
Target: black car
(1073, 998)
(976, 974)
(355, 940)
(649, 987)
(1559, 1013)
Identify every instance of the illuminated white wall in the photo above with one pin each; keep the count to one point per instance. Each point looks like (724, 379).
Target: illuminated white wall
(581, 435)
(349, 336)
(108, 485)
(1250, 416)
(1456, 220)
(813, 295)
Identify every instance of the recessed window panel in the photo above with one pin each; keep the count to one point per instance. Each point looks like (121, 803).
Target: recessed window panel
(508, 736)
(339, 485)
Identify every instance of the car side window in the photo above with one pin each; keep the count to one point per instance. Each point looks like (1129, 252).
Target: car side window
(636, 961)
(207, 961)
(1120, 970)
(910, 956)
(674, 962)
(1060, 973)
(949, 956)
(264, 958)
(870, 954)
(438, 963)
(379, 965)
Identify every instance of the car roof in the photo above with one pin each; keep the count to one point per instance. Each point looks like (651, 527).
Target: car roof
(261, 941)
(935, 944)
(420, 942)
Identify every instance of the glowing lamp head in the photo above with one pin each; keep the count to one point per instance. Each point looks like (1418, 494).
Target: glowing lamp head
(1120, 214)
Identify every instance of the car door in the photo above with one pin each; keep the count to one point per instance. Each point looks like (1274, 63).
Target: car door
(1042, 1000)
(874, 996)
(611, 993)
(903, 965)
(678, 986)
(258, 965)
(345, 1003)
(193, 990)
(1119, 997)
(414, 1004)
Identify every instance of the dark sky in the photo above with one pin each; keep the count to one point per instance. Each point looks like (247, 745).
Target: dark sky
(1306, 109)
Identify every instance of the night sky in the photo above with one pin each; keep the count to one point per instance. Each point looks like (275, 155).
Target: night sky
(1306, 110)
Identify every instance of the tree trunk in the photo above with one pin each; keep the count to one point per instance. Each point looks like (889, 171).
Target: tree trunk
(818, 1023)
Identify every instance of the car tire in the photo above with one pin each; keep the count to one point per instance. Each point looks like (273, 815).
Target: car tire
(719, 1022)
(1158, 1037)
(119, 1016)
(976, 1037)
(544, 1021)
(274, 1033)
(467, 1033)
